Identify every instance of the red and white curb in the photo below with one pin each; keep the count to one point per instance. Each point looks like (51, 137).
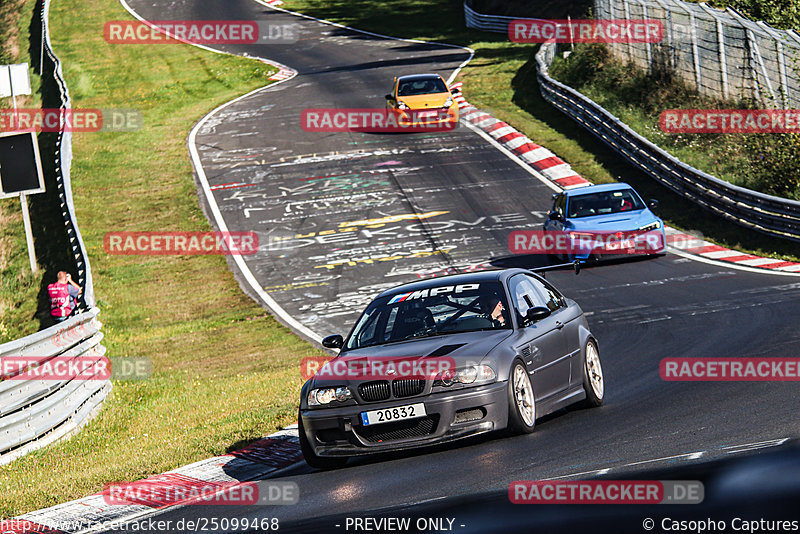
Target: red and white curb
(284, 73)
(539, 158)
(91, 513)
(561, 174)
(274, 2)
(705, 249)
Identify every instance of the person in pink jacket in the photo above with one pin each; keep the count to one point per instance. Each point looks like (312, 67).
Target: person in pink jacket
(63, 296)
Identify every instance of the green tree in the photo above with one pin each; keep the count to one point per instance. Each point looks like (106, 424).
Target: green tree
(784, 14)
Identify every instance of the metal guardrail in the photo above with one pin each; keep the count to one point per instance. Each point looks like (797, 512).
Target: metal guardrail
(771, 215)
(489, 23)
(34, 412)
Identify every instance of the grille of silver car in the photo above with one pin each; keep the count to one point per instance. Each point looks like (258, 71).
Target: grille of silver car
(407, 387)
(413, 428)
(374, 391)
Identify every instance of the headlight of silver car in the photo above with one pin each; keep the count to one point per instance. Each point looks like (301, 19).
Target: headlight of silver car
(324, 396)
(471, 375)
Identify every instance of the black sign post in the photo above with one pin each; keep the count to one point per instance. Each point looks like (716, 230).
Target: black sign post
(21, 175)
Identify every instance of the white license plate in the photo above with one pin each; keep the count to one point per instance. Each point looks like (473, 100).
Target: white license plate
(428, 113)
(398, 413)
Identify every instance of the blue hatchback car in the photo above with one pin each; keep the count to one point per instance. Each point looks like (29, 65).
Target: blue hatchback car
(610, 220)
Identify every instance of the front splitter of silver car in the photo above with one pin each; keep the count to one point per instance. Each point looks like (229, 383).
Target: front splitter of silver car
(450, 415)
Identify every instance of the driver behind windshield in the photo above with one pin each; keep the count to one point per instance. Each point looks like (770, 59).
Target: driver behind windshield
(494, 310)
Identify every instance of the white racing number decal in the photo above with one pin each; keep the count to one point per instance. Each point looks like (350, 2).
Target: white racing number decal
(432, 292)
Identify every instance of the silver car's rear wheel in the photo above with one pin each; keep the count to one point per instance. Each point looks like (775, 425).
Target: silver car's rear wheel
(521, 401)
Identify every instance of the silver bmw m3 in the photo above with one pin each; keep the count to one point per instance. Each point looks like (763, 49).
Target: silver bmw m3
(447, 358)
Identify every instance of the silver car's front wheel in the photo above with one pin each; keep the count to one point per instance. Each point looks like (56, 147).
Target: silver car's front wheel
(521, 401)
(593, 381)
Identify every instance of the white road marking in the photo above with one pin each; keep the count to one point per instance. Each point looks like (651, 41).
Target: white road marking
(688, 456)
(664, 318)
(733, 449)
(592, 473)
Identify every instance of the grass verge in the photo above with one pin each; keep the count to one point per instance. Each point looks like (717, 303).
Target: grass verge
(501, 79)
(225, 372)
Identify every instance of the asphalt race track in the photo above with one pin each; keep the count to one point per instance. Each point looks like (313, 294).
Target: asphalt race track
(341, 216)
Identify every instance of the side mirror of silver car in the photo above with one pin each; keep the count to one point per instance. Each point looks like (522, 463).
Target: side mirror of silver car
(333, 342)
(536, 313)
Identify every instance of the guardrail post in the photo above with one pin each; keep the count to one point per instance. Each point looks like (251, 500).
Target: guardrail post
(784, 78)
(780, 55)
(629, 48)
(755, 58)
(668, 25)
(613, 12)
(698, 75)
(647, 44)
(723, 58)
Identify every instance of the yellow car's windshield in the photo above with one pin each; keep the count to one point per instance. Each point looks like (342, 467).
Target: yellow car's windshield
(421, 86)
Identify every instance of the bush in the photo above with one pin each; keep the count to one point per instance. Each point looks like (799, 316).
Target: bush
(783, 14)
(776, 166)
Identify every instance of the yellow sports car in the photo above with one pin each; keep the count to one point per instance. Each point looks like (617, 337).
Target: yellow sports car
(422, 100)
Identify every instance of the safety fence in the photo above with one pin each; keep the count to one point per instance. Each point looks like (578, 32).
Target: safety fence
(767, 214)
(720, 52)
(39, 408)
